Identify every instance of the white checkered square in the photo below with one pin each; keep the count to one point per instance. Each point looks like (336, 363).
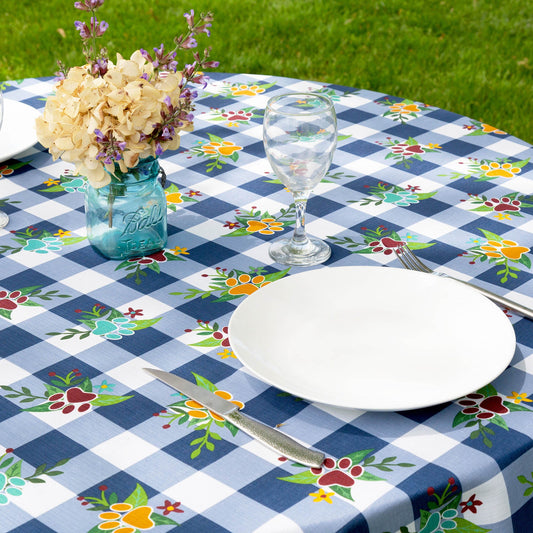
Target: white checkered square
(425, 443)
(35, 501)
(87, 281)
(199, 492)
(11, 373)
(279, 523)
(113, 450)
(48, 210)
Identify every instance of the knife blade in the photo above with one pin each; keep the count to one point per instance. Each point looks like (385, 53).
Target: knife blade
(266, 435)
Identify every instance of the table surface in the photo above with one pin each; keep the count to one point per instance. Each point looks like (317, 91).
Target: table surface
(83, 428)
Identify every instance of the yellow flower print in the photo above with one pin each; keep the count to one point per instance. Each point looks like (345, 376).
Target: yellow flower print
(322, 496)
(247, 90)
(226, 354)
(503, 216)
(245, 284)
(509, 249)
(62, 233)
(491, 129)
(197, 410)
(265, 226)
(404, 108)
(517, 398)
(498, 170)
(434, 146)
(50, 182)
(177, 251)
(225, 148)
(173, 197)
(134, 519)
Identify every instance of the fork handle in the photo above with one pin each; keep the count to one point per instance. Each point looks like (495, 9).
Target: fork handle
(501, 300)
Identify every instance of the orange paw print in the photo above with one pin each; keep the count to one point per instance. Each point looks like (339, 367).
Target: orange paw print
(197, 410)
(265, 226)
(133, 519)
(491, 129)
(509, 249)
(245, 284)
(404, 108)
(497, 170)
(225, 148)
(247, 90)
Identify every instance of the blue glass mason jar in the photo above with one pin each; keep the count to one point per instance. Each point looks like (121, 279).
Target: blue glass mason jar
(128, 217)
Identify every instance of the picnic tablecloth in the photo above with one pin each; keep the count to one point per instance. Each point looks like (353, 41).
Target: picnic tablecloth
(89, 442)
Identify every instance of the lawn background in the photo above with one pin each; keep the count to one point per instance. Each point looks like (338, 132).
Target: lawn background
(474, 57)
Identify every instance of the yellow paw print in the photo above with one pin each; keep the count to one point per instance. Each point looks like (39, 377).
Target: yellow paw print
(247, 90)
(507, 248)
(173, 197)
(491, 129)
(404, 108)
(124, 518)
(245, 284)
(266, 226)
(497, 170)
(225, 148)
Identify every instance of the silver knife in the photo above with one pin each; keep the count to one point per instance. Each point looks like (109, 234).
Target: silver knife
(266, 435)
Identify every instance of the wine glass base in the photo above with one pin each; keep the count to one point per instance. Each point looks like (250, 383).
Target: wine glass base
(284, 251)
(4, 219)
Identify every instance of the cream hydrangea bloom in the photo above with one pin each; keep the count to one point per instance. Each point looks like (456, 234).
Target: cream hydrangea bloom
(127, 102)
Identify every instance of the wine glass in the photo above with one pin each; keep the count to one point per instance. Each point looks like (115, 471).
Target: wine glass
(300, 136)
(4, 219)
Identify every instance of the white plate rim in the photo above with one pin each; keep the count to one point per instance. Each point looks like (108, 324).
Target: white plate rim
(248, 355)
(18, 129)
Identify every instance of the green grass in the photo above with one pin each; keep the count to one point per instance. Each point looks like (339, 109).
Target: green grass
(474, 57)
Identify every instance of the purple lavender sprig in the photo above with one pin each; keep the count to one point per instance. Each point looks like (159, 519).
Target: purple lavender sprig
(97, 60)
(111, 149)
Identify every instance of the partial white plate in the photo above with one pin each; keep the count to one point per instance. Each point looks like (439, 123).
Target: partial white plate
(18, 128)
(373, 338)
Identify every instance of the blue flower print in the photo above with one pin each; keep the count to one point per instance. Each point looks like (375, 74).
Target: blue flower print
(10, 487)
(400, 198)
(114, 330)
(44, 245)
(105, 386)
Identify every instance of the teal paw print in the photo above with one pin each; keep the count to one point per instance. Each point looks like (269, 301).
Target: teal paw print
(115, 329)
(74, 185)
(10, 487)
(401, 198)
(44, 245)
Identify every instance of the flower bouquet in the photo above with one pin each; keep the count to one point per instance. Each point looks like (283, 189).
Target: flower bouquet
(114, 119)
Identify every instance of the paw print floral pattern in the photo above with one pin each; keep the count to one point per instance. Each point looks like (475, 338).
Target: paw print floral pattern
(509, 256)
(488, 170)
(105, 322)
(229, 285)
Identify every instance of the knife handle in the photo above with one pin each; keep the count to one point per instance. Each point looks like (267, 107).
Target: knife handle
(501, 300)
(276, 440)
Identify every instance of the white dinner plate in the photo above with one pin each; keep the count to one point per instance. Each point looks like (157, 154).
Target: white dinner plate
(18, 128)
(373, 338)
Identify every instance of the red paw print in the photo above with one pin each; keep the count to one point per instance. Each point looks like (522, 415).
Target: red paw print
(12, 300)
(386, 245)
(505, 204)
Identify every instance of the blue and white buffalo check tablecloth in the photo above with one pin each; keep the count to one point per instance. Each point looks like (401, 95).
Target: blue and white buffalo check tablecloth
(89, 442)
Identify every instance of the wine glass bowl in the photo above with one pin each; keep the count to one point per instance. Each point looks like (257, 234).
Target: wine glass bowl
(300, 136)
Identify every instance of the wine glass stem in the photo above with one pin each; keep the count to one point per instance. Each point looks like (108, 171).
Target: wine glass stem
(299, 237)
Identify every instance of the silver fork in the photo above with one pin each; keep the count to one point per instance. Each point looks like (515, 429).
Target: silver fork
(410, 261)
